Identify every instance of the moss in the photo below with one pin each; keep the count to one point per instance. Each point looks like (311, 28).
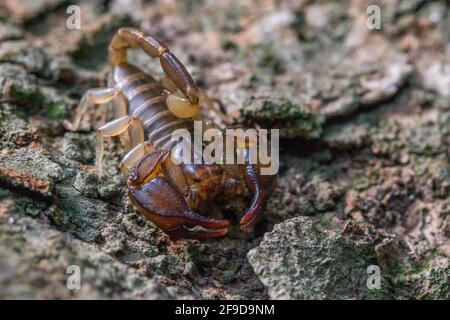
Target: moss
(424, 279)
(36, 102)
(33, 99)
(92, 52)
(362, 184)
(55, 110)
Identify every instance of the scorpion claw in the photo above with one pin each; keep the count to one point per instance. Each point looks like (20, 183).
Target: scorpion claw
(201, 228)
(261, 186)
(251, 218)
(163, 204)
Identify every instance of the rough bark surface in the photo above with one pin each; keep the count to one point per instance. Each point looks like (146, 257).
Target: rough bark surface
(365, 145)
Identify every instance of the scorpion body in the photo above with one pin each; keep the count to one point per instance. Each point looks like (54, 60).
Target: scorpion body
(146, 112)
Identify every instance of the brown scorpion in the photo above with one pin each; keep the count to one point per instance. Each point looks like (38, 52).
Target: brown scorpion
(168, 194)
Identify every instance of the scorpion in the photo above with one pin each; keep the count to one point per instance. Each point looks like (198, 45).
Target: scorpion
(167, 193)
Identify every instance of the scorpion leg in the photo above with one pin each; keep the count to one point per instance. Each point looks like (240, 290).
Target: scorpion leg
(158, 199)
(92, 96)
(135, 155)
(115, 128)
(120, 108)
(182, 103)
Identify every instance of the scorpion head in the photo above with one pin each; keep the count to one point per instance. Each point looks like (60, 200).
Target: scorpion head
(204, 182)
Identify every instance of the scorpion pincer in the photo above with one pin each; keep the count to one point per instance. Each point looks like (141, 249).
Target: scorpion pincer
(169, 194)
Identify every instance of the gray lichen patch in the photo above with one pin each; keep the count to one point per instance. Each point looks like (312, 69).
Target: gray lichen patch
(428, 280)
(14, 129)
(296, 261)
(29, 93)
(21, 52)
(347, 136)
(37, 262)
(9, 31)
(30, 168)
(292, 119)
(23, 10)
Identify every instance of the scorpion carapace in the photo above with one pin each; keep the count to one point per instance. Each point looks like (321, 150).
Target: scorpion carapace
(168, 194)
